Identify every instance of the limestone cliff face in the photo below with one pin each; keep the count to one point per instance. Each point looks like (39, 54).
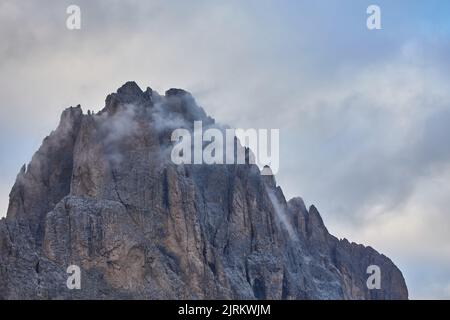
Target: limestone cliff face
(102, 193)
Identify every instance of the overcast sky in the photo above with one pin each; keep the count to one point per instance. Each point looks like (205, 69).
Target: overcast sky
(364, 116)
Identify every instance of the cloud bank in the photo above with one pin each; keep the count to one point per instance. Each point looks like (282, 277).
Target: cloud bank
(363, 115)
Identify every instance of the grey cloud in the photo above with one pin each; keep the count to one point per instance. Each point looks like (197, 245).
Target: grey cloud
(374, 139)
(347, 146)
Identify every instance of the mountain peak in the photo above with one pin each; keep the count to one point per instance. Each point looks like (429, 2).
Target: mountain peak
(130, 88)
(101, 193)
(176, 92)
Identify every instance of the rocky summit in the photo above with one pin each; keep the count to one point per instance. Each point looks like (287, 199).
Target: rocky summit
(101, 193)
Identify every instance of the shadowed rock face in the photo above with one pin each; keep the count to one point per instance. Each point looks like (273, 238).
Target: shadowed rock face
(102, 193)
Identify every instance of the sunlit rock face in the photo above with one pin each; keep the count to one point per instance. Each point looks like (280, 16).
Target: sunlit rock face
(101, 193)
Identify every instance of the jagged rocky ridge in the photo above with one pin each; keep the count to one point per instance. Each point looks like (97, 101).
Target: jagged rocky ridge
(101, 193)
